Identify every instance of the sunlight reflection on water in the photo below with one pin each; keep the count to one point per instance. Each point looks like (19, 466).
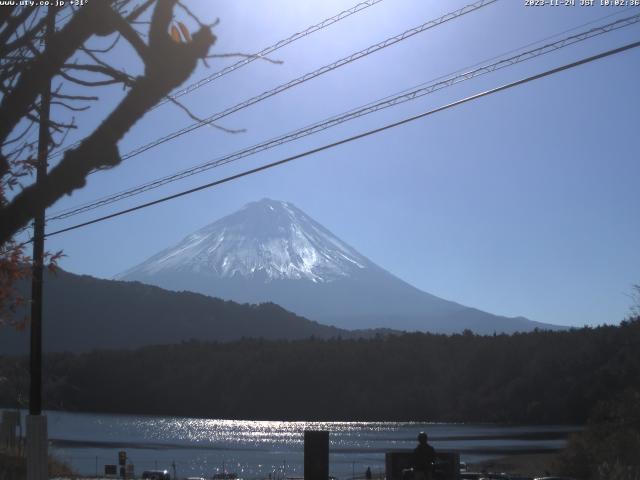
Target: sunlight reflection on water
(255, 449)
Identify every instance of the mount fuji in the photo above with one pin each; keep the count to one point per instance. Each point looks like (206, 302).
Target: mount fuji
(271, 251)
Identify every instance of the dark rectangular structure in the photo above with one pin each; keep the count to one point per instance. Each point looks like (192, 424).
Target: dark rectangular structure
(447, 465)
(316, 455)
(8, 428)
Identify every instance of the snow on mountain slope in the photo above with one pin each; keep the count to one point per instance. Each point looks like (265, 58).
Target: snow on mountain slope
(271, 251)
(270, 239)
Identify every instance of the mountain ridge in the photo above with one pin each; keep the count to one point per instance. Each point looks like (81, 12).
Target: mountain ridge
(83, 313)
(272, 251)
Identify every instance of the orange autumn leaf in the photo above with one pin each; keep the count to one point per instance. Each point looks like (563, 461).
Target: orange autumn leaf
(175, 34)
(21, 326)
(185, 32)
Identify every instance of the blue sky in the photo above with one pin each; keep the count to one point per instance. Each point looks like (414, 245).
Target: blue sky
(521, 203)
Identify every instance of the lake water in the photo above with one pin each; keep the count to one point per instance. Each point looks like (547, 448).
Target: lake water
(255, 449)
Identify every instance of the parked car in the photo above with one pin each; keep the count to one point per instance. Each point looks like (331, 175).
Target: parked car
(483, 476)
(156, 475)
(225, 476)
(553, 478)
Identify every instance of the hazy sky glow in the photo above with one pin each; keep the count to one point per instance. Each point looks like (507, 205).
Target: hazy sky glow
(522, 203)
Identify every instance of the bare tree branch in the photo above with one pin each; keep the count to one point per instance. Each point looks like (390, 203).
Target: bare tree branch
(74, 97)
(120, 77)
(167, 65)
(26, 130)
(5, 13)
(70, 107)
(24, 39)
(196, 19)
(139, 11)
(62, 45)
(106, 49)
(129, 33)
(200, 120)
(13, 23)
(88, 83)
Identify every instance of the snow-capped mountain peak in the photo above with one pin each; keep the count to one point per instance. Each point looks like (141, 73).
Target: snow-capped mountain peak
(266, 239)
(271, 251)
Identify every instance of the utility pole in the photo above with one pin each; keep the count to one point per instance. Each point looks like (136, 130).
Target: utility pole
(37, 455)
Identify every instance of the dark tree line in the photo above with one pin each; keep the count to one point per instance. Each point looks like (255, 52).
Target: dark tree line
(608, 448)
(538, 377)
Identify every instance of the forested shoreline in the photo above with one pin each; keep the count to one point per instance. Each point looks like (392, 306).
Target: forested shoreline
(537, 377)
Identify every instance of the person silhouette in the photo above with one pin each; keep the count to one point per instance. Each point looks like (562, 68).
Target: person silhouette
(367, 474)
(424, 457)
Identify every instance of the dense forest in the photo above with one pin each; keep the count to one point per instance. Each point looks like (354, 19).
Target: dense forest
(609, 445)
(537, 377)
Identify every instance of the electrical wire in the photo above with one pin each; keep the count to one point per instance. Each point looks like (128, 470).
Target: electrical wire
(245, 61)
(387, 102)
(270, 49)
(311, 75)
(354, 137)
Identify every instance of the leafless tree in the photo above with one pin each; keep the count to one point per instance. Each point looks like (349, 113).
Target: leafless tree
(168, 55)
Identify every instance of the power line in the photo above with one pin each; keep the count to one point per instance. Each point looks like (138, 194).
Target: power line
(354, 137)
(387, 102)
(308, 76)
(270, 49)
(245, 61)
